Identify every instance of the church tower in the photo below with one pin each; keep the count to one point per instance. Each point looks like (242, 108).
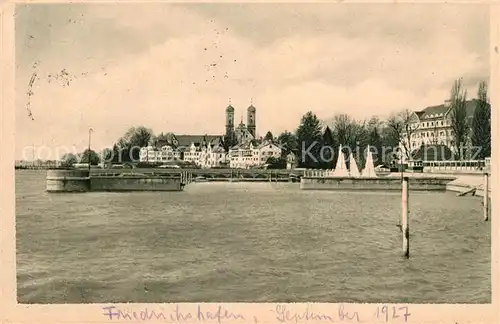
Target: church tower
(251, 120)
(229, 121)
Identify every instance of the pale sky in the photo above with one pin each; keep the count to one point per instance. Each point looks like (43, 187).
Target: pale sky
(173, 67)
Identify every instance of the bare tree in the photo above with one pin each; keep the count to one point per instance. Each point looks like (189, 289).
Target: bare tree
(403, 127)
(458, 115)
(348, 131)
(352, 134)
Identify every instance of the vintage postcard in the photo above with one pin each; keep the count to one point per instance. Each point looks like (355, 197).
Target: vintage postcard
(199, 162)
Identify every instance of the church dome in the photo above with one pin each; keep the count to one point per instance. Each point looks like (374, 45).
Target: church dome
(251, 108)
(230, 108)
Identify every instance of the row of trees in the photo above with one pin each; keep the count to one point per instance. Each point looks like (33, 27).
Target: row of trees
(316, 147)
(88, 155)
(126, 149)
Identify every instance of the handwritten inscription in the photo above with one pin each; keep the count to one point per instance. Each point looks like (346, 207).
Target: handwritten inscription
(286, 314)
(289, 314)
(283, 313)
(386, 313)
(176, 315)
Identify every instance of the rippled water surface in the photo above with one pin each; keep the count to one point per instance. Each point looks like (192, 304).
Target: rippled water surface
(247, 242)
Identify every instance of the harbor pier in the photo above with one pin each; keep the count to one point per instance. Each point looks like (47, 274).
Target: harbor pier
(74, 180)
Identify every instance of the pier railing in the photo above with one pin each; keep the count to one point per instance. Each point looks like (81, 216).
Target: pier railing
(466, 166)
(317, 173)
(459, 166)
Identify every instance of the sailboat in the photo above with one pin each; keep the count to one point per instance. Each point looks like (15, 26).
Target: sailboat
(369, 170)
(353, 167)
(341, 168)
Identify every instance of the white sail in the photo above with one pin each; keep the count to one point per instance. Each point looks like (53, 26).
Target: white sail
(353, 167)
(340, 167)
(369, 170)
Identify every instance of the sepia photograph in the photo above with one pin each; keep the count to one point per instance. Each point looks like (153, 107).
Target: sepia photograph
(253, 152)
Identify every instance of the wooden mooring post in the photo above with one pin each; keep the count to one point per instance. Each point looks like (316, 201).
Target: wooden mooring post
(405, 228)
(486, 203)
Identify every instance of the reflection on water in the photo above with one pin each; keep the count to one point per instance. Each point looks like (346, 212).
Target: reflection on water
(247, 242)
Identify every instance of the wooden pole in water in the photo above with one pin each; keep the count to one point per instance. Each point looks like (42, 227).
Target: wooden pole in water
(486, 198)
(404, 215)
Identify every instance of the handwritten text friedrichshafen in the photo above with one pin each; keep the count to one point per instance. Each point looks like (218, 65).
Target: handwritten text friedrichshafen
(176, 315)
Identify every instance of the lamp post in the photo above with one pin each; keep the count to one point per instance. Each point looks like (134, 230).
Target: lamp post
(88, 152)
(33, 149)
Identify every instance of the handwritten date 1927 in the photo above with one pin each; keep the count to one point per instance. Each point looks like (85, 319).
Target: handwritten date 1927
(386, 313)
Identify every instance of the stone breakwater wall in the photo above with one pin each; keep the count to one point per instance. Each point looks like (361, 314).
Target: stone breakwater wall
(80, 181)
(67, 181)
(131, 183)
(372, 184)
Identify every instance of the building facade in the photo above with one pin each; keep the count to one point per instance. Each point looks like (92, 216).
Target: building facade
(207, 151)
(164, 154)
(433, 126)
(206, 156)
(252, 154)
(212, 157)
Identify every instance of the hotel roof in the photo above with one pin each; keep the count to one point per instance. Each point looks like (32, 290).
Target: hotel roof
(439, 111)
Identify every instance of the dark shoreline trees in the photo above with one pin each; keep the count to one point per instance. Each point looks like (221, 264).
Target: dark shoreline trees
(309, 139)
(458, 114)
(328, 149)
(127, 148)
(288, 142)
(481, 123)
(269, 136)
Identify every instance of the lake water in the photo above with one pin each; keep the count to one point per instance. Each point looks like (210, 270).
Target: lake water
(247, 242)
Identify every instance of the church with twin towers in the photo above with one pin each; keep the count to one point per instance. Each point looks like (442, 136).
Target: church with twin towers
(242, 133)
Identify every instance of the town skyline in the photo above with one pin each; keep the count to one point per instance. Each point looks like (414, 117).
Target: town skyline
(249, 54)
